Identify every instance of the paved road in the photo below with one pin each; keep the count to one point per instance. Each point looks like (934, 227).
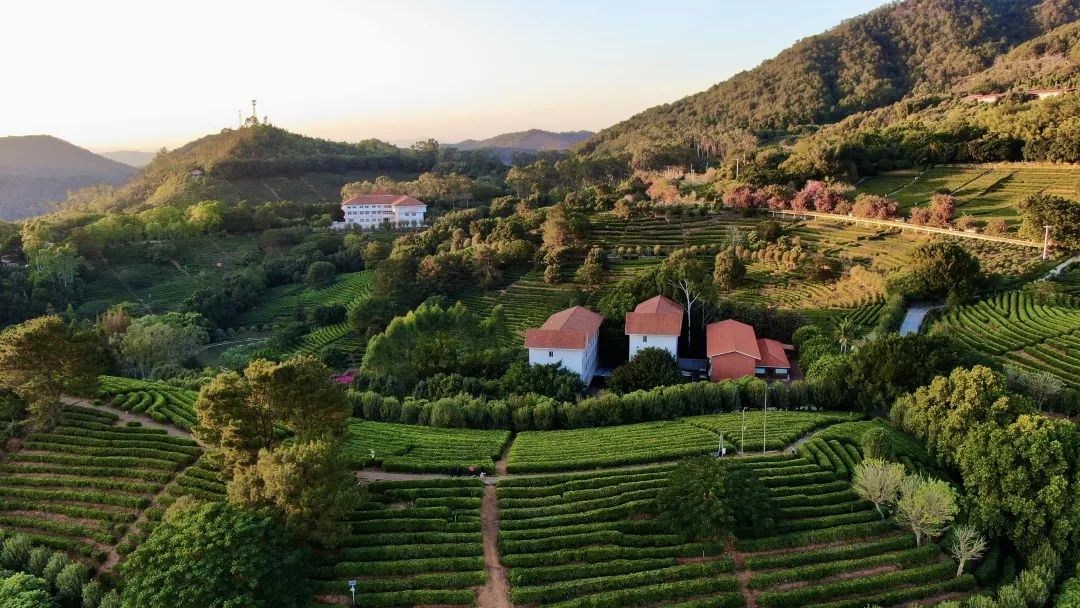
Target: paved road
(915, 316)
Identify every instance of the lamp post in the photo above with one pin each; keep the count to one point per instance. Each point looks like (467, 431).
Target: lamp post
(1046, 242)
(764, 417)
(352, 589)
(742, 431)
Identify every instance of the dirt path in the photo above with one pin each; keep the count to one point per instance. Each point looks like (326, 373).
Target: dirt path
(127, 416)
(500, 464)
(741, 573)
(496, 592)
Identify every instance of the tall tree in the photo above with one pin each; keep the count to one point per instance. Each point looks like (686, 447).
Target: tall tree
(213, 555)
(43, 357)
(967, 545)
(687, 276)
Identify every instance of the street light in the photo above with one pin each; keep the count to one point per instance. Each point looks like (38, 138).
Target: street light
(352, 589)
(742, 431)
(764, 417)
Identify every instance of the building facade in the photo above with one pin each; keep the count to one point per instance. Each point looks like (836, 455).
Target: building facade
(381, 209)
(655, 323)
(569, 338)
(735, 351)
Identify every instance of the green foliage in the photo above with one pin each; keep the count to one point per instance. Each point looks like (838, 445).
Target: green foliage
(876, 443)
(399, 447)
(1047, 210)
(706, 498)
(43, 357)
(155, 343)
(728, 270)
(432, 339)
(219, 556)
(24, 591)
(649, 368)
(939, 268)
(320, 274)
(970, 421)
(552, 381)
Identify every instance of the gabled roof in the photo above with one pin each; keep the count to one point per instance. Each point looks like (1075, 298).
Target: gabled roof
(567, 329)
(657, 316)
(772, 354)
(731, 336)
(381, 197)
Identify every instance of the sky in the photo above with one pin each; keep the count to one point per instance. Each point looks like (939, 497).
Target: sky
(137, 75)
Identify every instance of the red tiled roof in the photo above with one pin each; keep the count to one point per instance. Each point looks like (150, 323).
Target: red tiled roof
(731, 336)
(985, 96)
(380, 197)
(657, 316)
(772, 354)
(1053, 90)
(568, 329)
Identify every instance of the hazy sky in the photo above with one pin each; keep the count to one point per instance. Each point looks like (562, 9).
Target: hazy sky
(118, 74)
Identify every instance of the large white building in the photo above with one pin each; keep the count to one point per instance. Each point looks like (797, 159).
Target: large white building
(380, 209)
(656, 322)
(570, 338)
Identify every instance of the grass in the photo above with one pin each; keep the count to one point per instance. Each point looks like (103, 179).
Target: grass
(403, 447)
(528, 301)
(279, 303)
(78, 487)
(411, 544)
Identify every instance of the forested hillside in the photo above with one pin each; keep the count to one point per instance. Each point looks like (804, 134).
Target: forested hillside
(917, 47)
(38, 169)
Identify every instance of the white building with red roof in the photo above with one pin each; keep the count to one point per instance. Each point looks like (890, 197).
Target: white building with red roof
(734, 351)
(570, 338)
(656, 322)
(380, 209)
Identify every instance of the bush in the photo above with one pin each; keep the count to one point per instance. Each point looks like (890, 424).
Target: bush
(16, 552)
(877, 443)
(320, 274)
(651, 367)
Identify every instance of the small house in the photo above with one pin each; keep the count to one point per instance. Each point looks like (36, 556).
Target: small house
(735, 351)
(656, 322)
(570, 338)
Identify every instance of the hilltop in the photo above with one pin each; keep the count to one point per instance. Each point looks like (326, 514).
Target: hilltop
(37, 169)
(134, 158)
(868, 62)
(533, 139)
(233, 163)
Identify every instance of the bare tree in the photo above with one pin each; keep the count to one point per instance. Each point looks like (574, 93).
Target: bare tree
(967, 545)
(926, 506)
(878, 481)
(1042, 387)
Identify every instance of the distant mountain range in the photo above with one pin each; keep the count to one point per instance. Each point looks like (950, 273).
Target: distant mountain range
(133, 158)
(36, 170)
(532, 140)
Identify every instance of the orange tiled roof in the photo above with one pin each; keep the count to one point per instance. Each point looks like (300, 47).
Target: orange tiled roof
(772, 354)
(731, 336)
(657, 316)
(382, 198)
(568, 329)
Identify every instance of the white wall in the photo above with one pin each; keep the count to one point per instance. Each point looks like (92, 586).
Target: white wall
(668, 343)
(581, 362)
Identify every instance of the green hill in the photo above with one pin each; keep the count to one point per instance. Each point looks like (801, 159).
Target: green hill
(872, 61)
(245, 164)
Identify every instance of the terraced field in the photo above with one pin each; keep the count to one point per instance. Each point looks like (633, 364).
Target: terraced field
(777, 429)
(279, 303)
(78, 487)
(129, 275)
(415, 543)
(528, 301)
(711, 229)
(590, 540)
(986, 191)
(1018, 331)
(160, 401)
(830, 549)
(607, 446)
(404, 447)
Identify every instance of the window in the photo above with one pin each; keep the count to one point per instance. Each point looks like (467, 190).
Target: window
(644, 338)
(551, 354)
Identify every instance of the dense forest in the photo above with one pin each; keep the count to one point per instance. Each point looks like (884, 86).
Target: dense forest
(903, 50)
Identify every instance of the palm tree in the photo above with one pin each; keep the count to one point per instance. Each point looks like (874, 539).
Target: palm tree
(845, 333)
